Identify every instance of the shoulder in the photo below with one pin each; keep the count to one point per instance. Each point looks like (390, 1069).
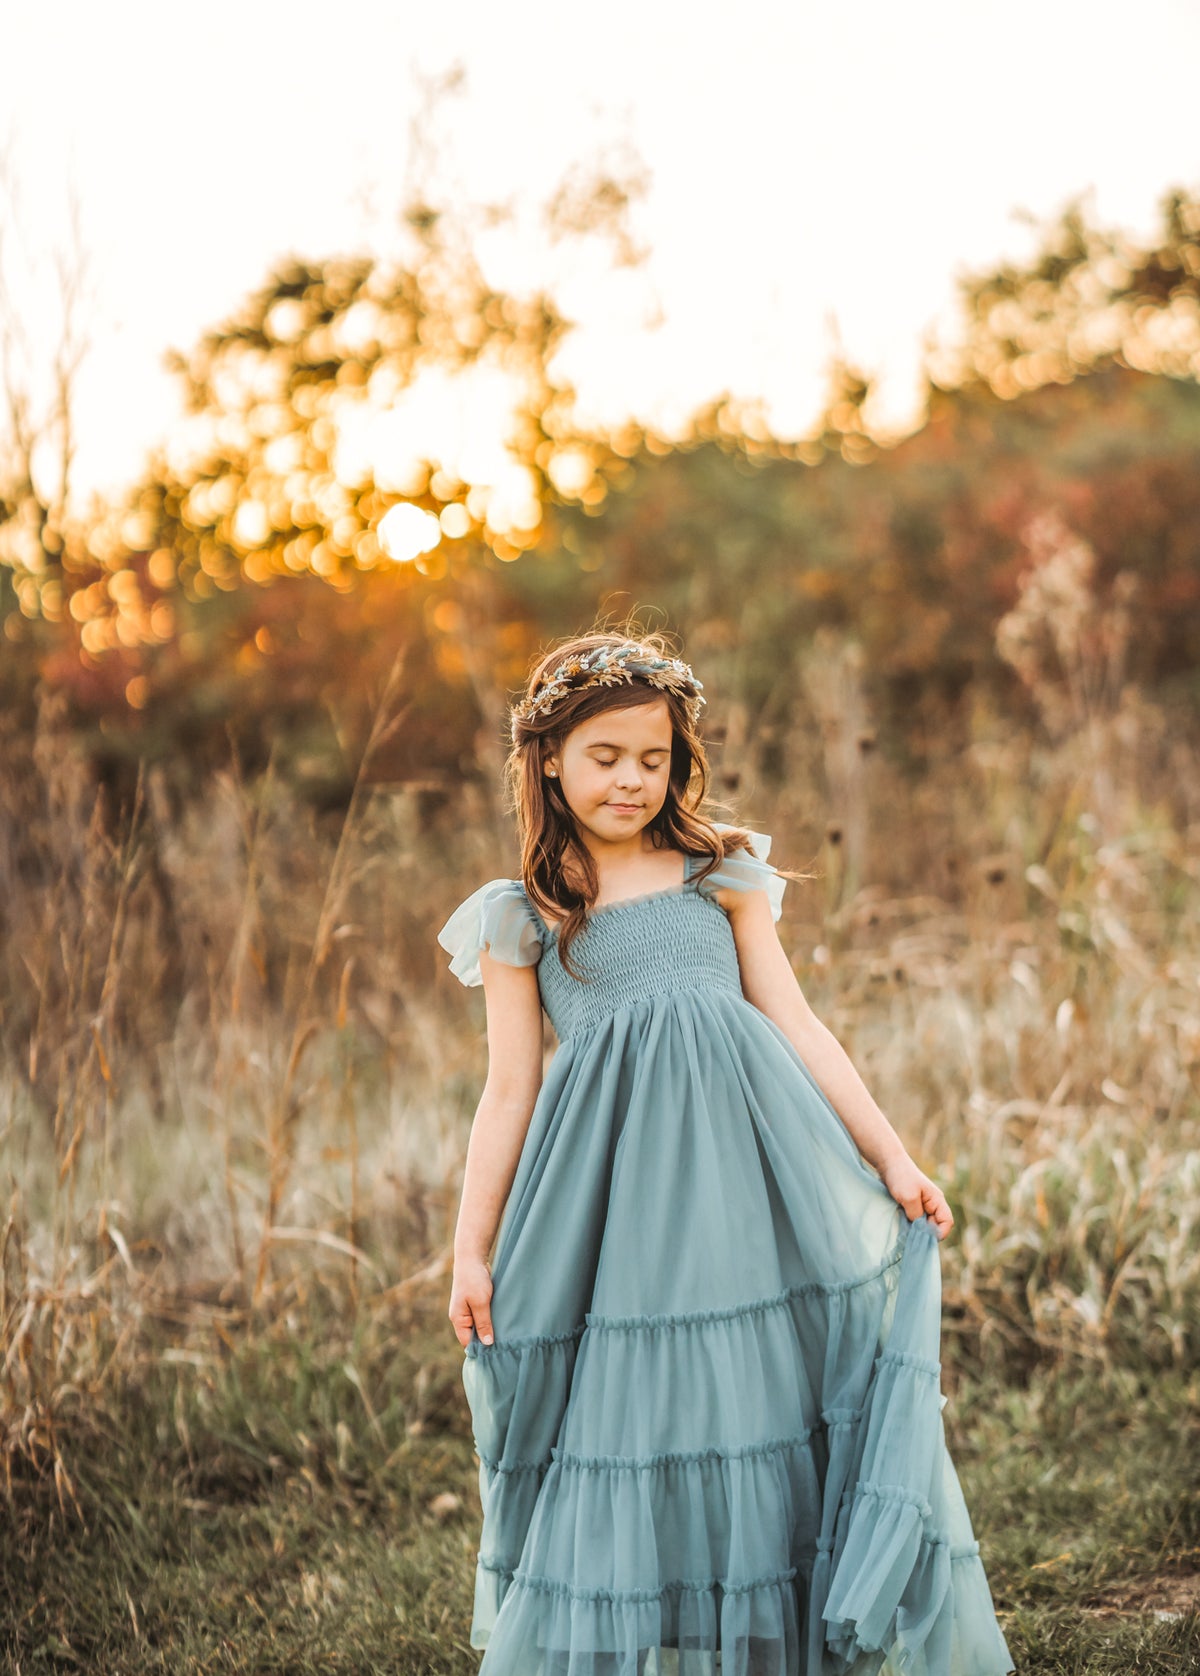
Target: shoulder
(497, 916)
(739, 873)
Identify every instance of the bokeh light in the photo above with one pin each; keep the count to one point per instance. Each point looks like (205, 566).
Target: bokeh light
(405, 532)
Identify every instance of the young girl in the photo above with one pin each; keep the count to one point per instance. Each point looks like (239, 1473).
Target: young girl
(702, 1367)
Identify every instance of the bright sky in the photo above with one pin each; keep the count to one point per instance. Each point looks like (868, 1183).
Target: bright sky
(814, 162)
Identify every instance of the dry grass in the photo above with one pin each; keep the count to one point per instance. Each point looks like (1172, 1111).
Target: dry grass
(235, 1097)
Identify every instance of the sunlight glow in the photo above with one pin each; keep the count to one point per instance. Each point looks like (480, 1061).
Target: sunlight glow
(405, 532)
(444, 433)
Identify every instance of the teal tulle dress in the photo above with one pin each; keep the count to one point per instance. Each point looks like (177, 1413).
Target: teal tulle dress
(709, 1427)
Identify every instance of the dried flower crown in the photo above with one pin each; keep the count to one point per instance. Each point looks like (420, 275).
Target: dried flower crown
(608, 666)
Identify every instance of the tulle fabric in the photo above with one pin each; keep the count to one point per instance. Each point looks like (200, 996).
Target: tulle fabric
(497, 917)
(709, 1427)
(742, 871)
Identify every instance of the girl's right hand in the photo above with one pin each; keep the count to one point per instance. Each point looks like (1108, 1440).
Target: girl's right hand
(471, 1300)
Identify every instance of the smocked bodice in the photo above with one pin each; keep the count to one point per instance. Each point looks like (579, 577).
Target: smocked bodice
(660, 943)
(631, 951)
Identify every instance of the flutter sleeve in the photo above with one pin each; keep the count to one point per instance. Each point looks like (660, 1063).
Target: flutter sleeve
(742, 871)
(497, 917)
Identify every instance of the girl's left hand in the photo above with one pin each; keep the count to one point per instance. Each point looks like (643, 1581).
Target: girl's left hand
(914, 1192)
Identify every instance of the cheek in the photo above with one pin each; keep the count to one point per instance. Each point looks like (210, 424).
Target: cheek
(590, 780)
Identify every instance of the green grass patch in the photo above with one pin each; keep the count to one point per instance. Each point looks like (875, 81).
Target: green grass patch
(288, 1508)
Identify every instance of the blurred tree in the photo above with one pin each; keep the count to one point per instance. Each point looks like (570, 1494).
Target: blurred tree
(1089, 298)
(37, 445)
(754, 554)
(165, 631)
(244, 592)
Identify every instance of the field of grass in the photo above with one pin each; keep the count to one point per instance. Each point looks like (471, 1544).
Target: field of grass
(301, 1504)
(234, 1102)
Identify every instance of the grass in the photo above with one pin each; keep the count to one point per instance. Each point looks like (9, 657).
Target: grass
(256, 1511)
(235, 1092)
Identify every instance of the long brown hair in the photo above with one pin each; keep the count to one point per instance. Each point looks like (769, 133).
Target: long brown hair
(552, 853)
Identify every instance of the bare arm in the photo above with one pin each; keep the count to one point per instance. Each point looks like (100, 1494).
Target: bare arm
(769, 983)
(514, 1079)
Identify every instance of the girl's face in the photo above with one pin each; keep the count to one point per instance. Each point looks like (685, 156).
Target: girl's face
(614, 770)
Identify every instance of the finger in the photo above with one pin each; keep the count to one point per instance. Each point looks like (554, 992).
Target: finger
(483, 1322)
(939, 1211)
(460, 1320)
